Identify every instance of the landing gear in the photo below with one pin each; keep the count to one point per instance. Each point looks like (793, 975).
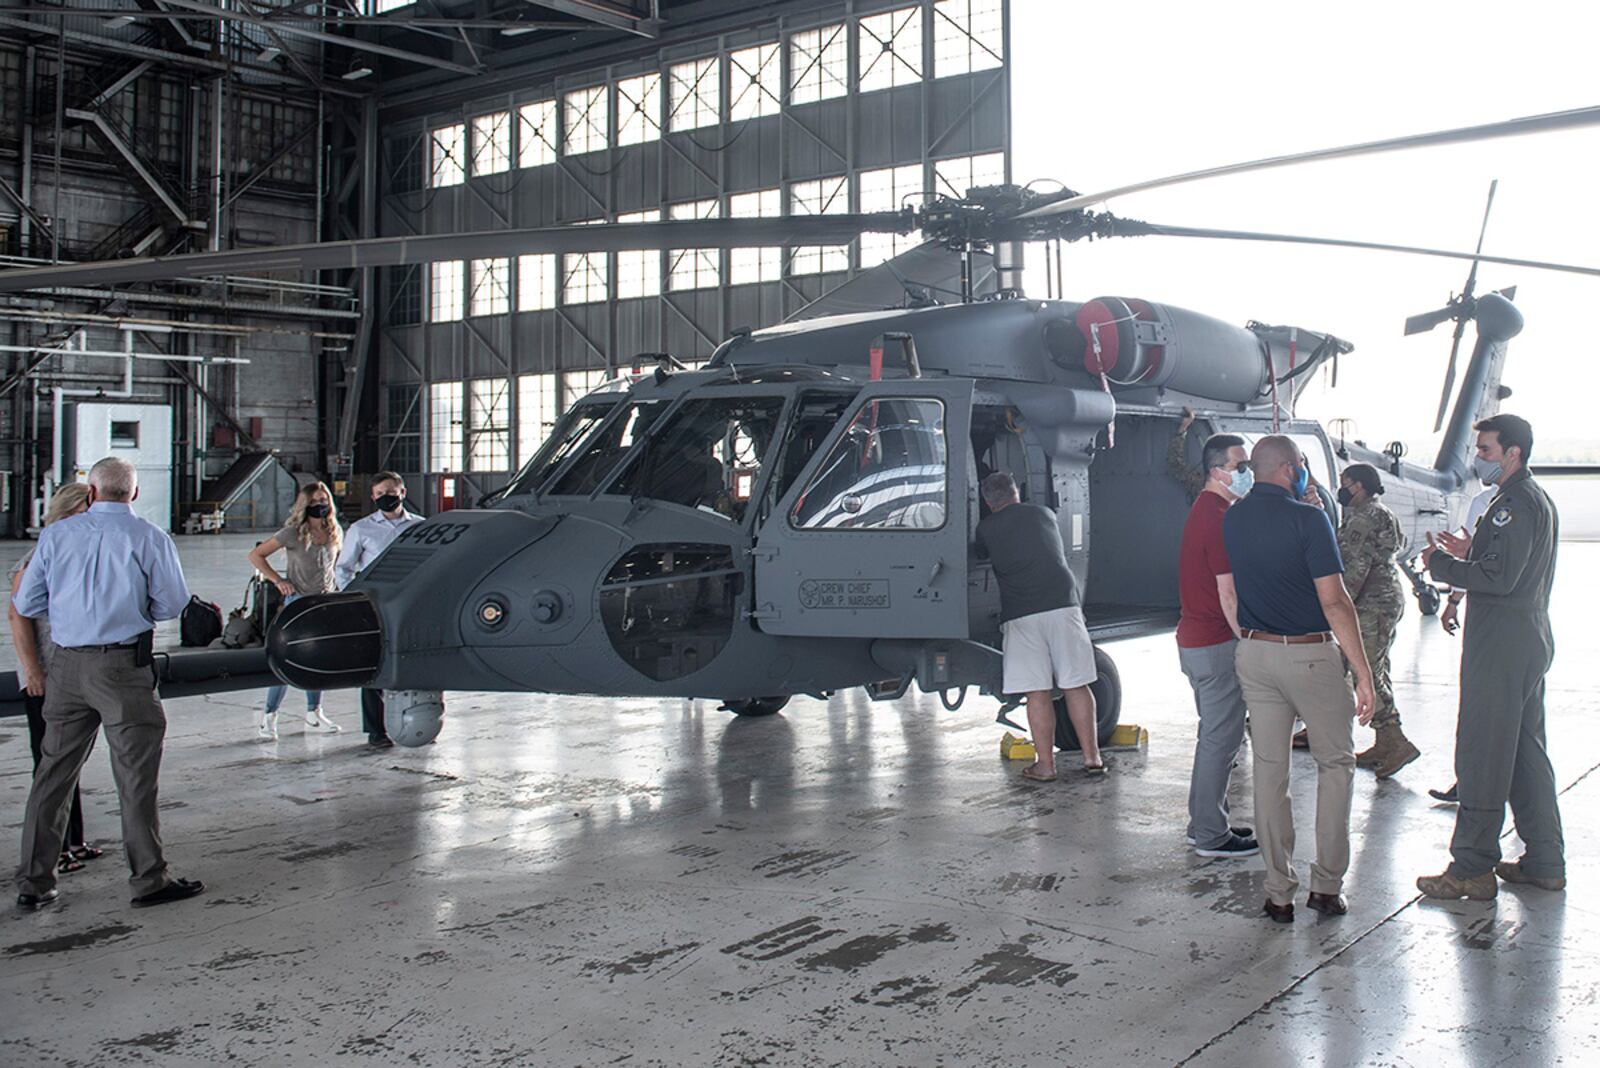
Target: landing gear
(1107, 690)
(1428, 600)
(755, 706)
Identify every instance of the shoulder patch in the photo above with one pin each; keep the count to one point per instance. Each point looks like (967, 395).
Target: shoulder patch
(1501, 516)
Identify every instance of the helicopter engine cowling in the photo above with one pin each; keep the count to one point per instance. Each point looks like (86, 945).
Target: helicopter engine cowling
(1140, 345)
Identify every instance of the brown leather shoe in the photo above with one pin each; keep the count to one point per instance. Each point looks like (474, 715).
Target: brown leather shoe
(1327, 904)
(1511, 871)
(1300, 740)
(1447, 887)
(1278, 913)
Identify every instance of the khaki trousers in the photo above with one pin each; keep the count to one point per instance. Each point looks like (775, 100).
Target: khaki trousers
(1280, 682)
(85, 690)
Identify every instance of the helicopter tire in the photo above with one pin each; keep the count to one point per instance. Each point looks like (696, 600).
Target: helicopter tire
(1107, 690)
(1428, 601)
(756, 706)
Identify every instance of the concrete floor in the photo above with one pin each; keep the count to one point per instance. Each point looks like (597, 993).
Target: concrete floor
(578, 882)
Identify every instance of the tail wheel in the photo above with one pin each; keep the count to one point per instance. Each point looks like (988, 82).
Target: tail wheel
(1428, 601)
(1107, 690)
(755, 706)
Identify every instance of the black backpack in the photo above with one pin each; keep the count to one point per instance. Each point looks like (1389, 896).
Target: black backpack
(200, 624)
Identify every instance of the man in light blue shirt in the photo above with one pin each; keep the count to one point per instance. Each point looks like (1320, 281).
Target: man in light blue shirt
(104, 578)
(364, 542)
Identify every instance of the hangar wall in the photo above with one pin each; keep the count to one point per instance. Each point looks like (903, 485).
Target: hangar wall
(797, 108)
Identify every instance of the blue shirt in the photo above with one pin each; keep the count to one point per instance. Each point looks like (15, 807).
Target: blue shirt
(104, 577)
(365, 541)
(1278, 547)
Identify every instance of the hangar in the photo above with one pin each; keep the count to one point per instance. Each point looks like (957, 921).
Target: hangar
(564, 878)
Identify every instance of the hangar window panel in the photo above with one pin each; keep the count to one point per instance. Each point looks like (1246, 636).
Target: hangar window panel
(826, 196)
(491, 424)
(536, 134)
(953, 177)
(578, 384)
(761, 264)
(694, 94)
(383, 7)
(536, 413)
(584, 277)
(709, 456)
(638, 270)
(968, 35)
(446, 290)
(586, 120)
(819, 64)
(536, 282)
(491, 143)
(694, 268)
(639, 109)
(445, 436)
(755, 82)
(405, 161)
(405, 296)
(449, 155)
(887, 472)
(491, 287)
(890, 49)
(403, 426)
(888, 189)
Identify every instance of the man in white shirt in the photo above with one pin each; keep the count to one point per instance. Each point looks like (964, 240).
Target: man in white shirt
(364, 542)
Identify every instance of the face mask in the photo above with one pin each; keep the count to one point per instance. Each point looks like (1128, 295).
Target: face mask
(1242, 478)
(1345, 496)
(388, 502)
(318, 511)
(1302, 480)
(1488, 471)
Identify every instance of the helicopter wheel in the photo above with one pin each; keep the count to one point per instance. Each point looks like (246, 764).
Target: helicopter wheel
(1107, 690)
(756, 706)
(1428, 601)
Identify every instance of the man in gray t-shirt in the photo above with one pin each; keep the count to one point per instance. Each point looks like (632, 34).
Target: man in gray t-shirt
(1045, 642)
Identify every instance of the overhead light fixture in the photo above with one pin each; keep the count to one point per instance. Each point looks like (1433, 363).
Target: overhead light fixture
(517, 31)
(356, 73)
(119, 21)
(268, 54)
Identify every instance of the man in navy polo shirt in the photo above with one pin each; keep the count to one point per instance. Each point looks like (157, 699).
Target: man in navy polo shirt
(1292, 605)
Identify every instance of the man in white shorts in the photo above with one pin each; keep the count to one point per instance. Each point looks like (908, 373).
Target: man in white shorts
(1045, 642)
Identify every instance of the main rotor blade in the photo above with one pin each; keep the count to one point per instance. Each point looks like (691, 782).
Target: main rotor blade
(1552, 121)
(930, 265)
(1450, 372)
(486, 244)
(1421, 324)
(1130, 228)
(1472, 275)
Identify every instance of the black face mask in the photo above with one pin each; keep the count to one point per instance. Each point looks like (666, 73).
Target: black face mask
(388, 502)
(319, 511)
(1344, 496)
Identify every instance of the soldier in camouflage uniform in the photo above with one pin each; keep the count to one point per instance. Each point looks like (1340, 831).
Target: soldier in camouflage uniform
(1369, 538)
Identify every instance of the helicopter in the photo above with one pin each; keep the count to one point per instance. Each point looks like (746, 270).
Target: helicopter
(797, 516)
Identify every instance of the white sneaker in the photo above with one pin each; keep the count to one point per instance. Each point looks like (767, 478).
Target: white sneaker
(267, 729)
(317, 722)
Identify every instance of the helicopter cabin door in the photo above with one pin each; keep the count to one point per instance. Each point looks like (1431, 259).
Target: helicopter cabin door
(871, 540)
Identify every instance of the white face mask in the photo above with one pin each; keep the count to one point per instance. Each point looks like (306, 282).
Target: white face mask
(1242, 479)
(1488, 471)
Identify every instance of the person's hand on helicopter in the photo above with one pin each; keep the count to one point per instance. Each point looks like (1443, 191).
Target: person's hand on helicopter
(1187, 421)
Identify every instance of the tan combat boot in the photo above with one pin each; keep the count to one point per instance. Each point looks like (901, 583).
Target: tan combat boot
(1372, 756)
(1447, 887)
(1396, 749)
(1511, 871)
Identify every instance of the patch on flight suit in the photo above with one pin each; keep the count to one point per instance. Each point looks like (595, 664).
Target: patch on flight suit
(1501, 517)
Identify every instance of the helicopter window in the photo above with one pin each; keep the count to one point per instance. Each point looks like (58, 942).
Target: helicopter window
(669, 609)
(709, 456)
(888, 472)
(572, 428)
(605, 449)
(814, 419)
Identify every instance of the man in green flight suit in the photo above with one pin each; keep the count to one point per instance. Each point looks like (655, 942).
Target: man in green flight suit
(1507, 570)
(1369, 537)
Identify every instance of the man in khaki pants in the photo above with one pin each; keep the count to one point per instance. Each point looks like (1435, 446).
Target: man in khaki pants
(1292, 606)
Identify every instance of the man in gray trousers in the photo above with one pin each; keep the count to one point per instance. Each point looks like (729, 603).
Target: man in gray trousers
(1507, 568)
(104, 578)
(1207, 637)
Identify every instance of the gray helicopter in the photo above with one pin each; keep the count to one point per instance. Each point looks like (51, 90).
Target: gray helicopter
(797, 516)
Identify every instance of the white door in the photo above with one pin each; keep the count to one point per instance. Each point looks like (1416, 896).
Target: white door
(138, 433)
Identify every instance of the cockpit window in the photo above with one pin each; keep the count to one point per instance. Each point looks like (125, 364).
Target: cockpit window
(709, 456)
(888, 472)
(602, 452)
(569, 430)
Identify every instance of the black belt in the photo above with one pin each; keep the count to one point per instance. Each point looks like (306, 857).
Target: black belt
(130, 646)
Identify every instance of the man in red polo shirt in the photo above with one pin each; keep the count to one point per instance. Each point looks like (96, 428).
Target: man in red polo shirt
(1207, 637)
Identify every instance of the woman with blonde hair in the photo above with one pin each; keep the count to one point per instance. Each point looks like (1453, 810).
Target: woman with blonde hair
(312, 540)
(34, 649)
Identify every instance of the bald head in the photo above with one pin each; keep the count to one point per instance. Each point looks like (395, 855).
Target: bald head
(113, 479)
(1275, 459)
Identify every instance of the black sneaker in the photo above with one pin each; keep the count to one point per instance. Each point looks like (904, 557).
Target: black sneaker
(1235, 846)
(177, 890)
(1242, 832)
(34, 902)
(1447, 796)
(380, 741)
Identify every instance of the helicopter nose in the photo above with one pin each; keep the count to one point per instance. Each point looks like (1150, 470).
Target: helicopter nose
(326, 642)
